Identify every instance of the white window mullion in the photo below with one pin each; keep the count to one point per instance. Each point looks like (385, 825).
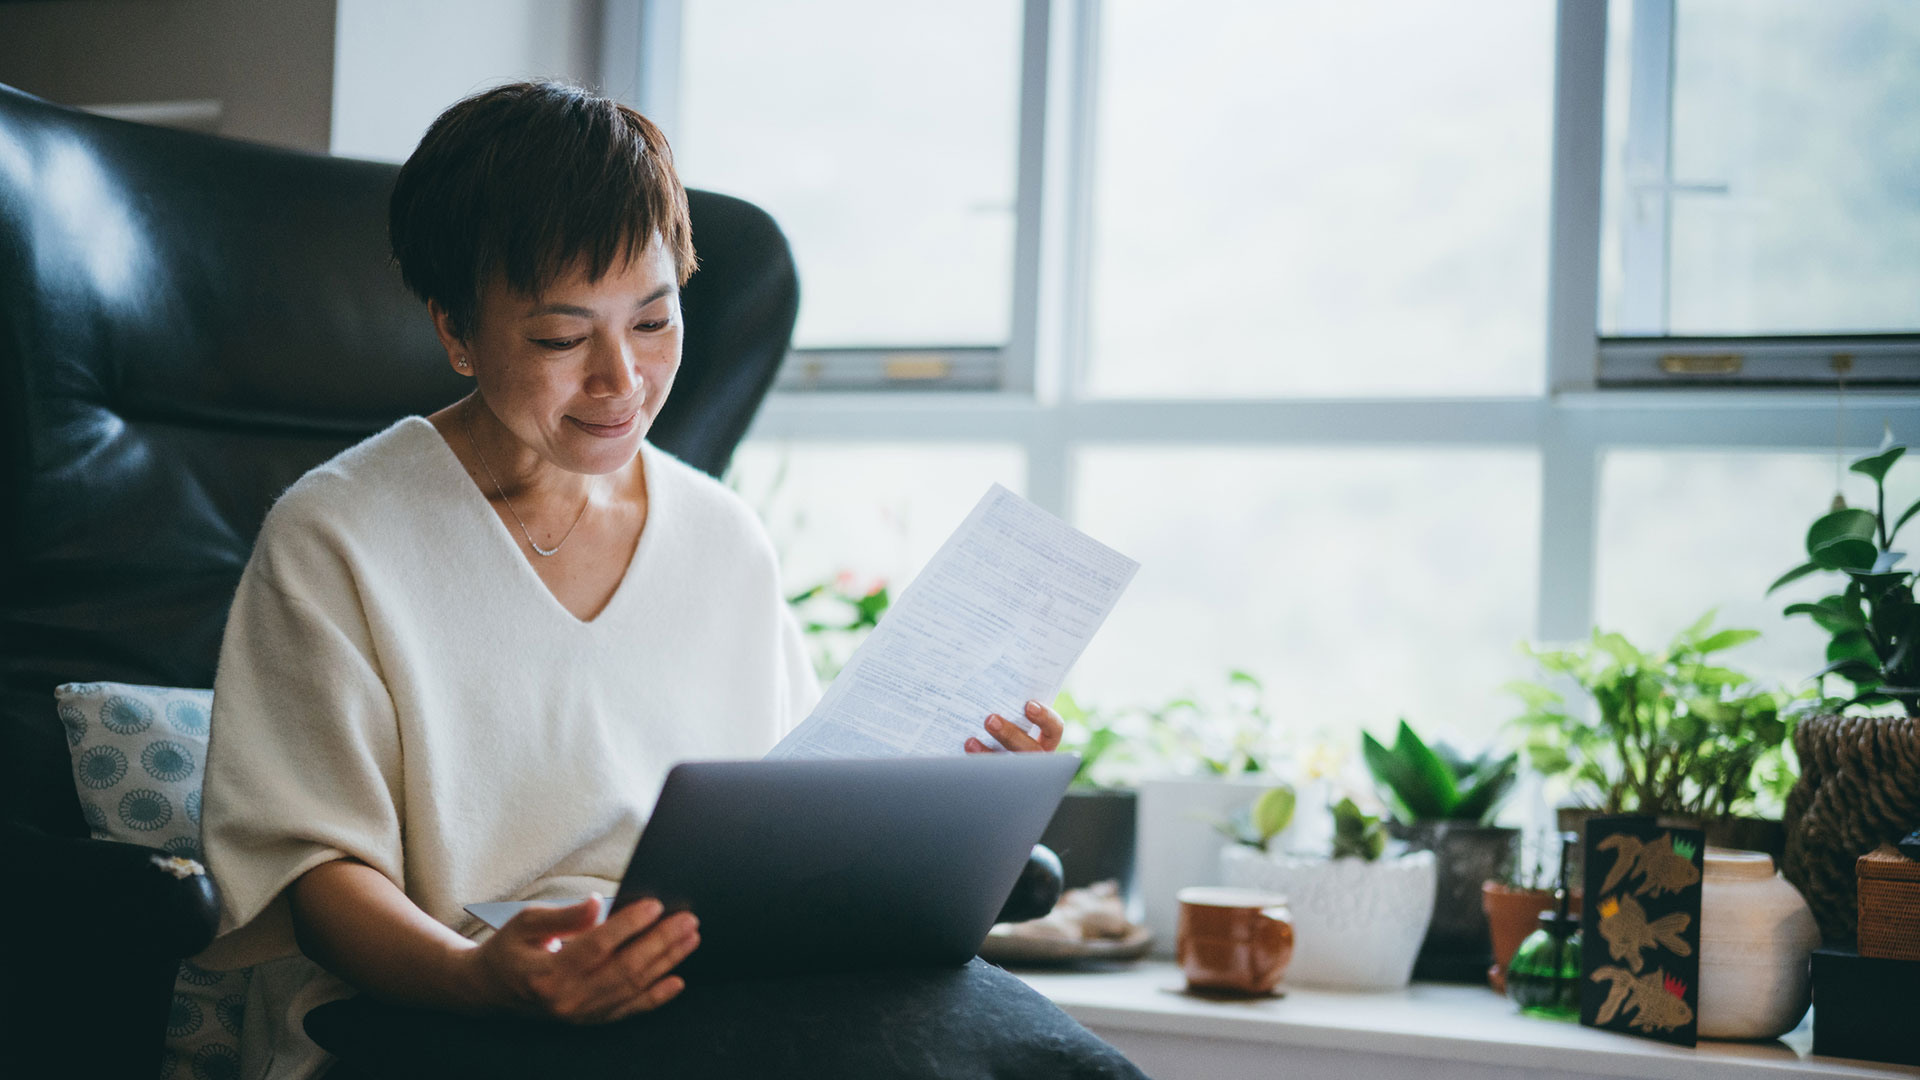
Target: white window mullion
(1647, 165)
(1573, 245)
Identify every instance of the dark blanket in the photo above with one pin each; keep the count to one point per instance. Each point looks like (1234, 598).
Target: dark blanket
(976, 1021)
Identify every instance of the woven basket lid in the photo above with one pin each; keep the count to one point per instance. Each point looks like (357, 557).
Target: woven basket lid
(1885, 863)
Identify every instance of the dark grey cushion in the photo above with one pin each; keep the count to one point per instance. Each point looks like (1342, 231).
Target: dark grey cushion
(975, 1021)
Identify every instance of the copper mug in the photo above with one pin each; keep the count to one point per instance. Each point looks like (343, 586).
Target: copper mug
(1233, 940)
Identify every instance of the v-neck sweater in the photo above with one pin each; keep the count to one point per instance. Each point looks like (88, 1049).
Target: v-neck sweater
(398, 685)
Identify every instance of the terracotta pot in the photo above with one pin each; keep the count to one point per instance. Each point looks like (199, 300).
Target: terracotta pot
(1512, 914)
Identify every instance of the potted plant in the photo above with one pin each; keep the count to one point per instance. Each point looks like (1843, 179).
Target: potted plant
(1672, 733)
(1201, 760)
(1514, 901)
(1855, 793)
(1359, 912)
(1093, 829)
(1443, 803)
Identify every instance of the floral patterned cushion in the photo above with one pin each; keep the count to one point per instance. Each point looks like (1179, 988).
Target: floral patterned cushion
(137, 756)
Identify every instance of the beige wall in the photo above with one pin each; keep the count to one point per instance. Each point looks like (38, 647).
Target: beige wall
(269, 63)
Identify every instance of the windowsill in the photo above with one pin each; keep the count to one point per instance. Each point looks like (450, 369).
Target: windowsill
(1424, 1031)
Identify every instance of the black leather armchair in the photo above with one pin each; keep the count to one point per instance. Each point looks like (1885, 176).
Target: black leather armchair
(187, 324)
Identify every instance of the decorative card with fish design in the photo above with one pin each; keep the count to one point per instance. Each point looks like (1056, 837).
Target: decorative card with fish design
(1640, 930)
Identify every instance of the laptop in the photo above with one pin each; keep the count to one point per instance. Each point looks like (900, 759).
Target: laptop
(809, 866)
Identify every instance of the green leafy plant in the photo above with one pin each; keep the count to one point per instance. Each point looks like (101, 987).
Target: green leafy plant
(1675, 733)
(1356, 833)
(1267, 817)
(1091, 735)
(1422, 783)
(1229, 735)
(1874, 621)
(836, 615)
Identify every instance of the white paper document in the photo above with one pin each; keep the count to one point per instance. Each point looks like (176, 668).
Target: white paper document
(995, 620)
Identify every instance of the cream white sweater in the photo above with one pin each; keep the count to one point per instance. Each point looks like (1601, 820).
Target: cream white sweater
(397, 684)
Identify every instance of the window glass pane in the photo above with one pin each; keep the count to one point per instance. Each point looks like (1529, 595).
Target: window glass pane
(1321, 198)
(882, 135)
(1359, 586)
(877, 511)
(1795, 146)
(1681, 532)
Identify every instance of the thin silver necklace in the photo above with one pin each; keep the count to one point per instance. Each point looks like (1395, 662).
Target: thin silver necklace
(466, 416)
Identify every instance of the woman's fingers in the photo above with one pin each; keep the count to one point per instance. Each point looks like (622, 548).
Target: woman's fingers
(1010, 735)
(1052, 728)
(636, 966)
(657, 995)
(591, 949)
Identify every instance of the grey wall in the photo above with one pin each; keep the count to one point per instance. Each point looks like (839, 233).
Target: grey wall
(269, 63)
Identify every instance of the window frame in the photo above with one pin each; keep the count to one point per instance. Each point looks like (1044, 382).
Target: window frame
(1585, 412)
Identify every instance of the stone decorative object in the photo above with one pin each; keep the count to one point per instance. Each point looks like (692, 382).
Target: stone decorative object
(1859, 787)
(1756, 937)
(1357, 925)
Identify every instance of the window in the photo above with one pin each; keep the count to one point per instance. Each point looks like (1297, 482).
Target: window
(1760, 184)
(1303, 306)
(1321, 199)
(882, 136)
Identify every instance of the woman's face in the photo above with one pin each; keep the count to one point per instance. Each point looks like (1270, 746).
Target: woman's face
(578, 374)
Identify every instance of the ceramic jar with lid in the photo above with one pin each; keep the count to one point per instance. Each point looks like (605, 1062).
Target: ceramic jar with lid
(1756, 937)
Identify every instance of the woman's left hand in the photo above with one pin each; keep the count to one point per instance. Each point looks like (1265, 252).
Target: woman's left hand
(1011, 736)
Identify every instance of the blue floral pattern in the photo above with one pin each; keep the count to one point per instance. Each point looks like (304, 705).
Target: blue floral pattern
(188, 717)
(145, 809)
(216, 1061)
(100, 767)
(132, 773)
(167, 760)
(184, 1018)
(75, 722)
(231, 1011)
(126, 715)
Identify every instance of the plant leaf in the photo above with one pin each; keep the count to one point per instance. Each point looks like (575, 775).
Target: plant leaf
(1272, 812)
(1620, 649)
(1877, 465)
(1727, 639)
(1482, 792)
(1911, 510)
(1831, 616)
(1849, 524)
(1846, 553)
(1408, 794)
(1804, 569)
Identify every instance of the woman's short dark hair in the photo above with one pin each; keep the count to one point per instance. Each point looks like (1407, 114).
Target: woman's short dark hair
(525, 180)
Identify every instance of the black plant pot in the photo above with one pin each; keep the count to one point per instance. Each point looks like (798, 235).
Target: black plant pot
(1458, 947)
(1093, 833)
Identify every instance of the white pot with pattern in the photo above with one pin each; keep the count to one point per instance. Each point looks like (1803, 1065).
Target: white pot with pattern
(1357, 925)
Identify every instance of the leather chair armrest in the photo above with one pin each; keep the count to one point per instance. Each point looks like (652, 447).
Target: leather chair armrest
(137, 896)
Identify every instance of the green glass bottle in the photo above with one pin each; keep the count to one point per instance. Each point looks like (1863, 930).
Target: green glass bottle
(1544, 978)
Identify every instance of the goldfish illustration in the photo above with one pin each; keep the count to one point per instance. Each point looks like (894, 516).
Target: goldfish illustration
(1656, 1000)
(1664, 865)
(1624, 925)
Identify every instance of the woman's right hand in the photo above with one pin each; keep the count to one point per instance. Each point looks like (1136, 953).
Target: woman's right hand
(565, 964)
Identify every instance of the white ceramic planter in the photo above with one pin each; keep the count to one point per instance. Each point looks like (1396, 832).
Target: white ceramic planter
(1177, 843)
(1756, 940)
(1357, 925)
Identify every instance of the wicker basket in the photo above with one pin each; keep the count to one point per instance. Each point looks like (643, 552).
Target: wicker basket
(1889, 905)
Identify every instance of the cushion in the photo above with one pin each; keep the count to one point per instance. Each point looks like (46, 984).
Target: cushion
(137, 752)
(974, 1021)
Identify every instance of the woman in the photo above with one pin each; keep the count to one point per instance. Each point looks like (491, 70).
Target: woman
(465, 651)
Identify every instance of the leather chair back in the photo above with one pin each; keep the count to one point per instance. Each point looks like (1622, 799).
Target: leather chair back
(188, 324)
